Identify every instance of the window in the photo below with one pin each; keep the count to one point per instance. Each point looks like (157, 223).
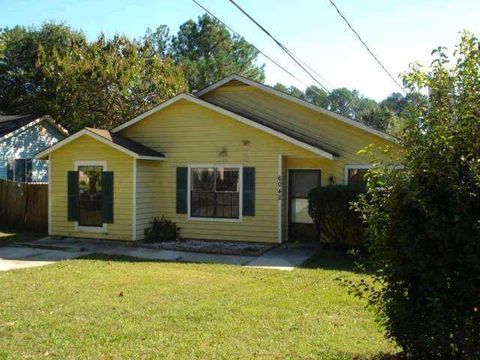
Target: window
(355, 174)
(19, 170)
(215, 192)
(90, 196)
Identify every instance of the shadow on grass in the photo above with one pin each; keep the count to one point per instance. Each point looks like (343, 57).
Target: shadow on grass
(337, 260)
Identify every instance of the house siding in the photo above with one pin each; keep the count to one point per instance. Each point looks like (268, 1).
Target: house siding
(87, 149)
(339, 137)
(25, 145)
(190, 134)
(148, 194)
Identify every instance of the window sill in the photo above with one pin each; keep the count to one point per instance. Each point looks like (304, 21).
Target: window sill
(91, 229)
(214, 219)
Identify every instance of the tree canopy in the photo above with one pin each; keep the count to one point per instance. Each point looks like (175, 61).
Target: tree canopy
(54, 70)
(423, 221)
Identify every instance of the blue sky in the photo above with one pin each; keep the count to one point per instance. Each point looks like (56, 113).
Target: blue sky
(398, 31)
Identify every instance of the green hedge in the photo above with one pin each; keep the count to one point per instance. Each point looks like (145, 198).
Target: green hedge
(337, 224)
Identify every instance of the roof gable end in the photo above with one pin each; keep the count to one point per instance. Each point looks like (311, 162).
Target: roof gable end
(280, 94)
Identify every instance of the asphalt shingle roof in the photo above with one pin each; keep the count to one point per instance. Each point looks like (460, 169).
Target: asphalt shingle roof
(128, 144)
(10, 123)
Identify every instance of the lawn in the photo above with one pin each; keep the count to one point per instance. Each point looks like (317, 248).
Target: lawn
(119, 308)
(9, 235)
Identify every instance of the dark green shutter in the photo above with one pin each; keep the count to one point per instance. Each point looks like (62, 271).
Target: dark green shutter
(182, 183)
(107, 197)
(73, 195)
(249, 191)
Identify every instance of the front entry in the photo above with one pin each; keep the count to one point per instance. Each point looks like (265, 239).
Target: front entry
(300, 224)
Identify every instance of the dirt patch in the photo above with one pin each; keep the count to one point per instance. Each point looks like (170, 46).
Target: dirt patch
(213, 247)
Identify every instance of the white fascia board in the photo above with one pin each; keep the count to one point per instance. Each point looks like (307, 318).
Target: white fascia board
(96, 137)
(230, 114)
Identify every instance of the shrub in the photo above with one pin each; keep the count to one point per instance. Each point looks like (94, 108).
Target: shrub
(161, 229)
(337, 224)
(423, 226)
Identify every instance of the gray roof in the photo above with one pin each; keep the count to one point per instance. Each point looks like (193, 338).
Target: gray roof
(128, 144)
(10, 123)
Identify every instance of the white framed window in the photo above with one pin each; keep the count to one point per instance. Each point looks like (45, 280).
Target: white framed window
(90, 196)
(215, 192)
(354, 174)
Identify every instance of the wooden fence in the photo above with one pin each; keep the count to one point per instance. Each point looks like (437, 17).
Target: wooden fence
(24, 204)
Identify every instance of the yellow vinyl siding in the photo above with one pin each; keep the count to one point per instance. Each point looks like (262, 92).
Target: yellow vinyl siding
(189, 134)
(148, 194)
(342, 138)
(87, 149)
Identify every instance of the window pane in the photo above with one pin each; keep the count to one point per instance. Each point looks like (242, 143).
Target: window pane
(20, 170)
(90, 197)
(227, 205)
(227, 179)
(302, 181)
(356, 176)
(203, 179)
(202, 204)
(214, 192)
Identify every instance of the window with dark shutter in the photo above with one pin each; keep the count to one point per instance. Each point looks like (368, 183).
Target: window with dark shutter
(107, 197)
(73, 191)
(249, 191)
(182, 191)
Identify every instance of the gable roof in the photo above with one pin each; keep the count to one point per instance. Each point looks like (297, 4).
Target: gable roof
(282, 133)
(237, 78)
(10, 125)
(116, 141)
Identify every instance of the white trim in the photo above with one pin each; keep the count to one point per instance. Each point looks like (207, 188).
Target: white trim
(288, 189)
(134, 237)
(240, 192)
(91, 229)
(49, 195)
(303, 103)
(280, 197)
(354, 166)
(230, 114)
(87, 132)
(31, 124)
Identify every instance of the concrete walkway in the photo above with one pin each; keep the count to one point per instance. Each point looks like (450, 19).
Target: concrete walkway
(49, 250)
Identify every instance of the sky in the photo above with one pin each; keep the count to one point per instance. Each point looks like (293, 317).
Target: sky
(398, 31)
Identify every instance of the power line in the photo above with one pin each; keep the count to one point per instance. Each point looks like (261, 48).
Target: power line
(353, 111)
(260, 51)
(283, 47)
(365, 45)
(233, 31)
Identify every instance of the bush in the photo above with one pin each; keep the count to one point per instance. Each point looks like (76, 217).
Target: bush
(161, 229)
(337, 224)
(423, 225)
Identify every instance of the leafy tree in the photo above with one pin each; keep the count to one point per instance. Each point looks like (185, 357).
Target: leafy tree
(208, 52)
(317, 96)
(54, 70)
(423, 222)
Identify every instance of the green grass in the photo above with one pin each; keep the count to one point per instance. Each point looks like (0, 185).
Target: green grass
(10, 235)
(122, 308)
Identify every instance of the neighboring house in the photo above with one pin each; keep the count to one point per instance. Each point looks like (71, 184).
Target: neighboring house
(21, 137)
(235, 161)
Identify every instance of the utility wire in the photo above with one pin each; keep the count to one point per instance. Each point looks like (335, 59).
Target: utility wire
(283, 47)
(366, 46)
(353, 111)
(234, 32)
(260, 51)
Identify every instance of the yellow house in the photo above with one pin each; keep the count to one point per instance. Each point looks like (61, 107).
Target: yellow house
(235, 161)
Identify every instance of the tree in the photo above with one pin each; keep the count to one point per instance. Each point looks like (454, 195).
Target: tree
(423, 221)
(207, 53)
(54, 70)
